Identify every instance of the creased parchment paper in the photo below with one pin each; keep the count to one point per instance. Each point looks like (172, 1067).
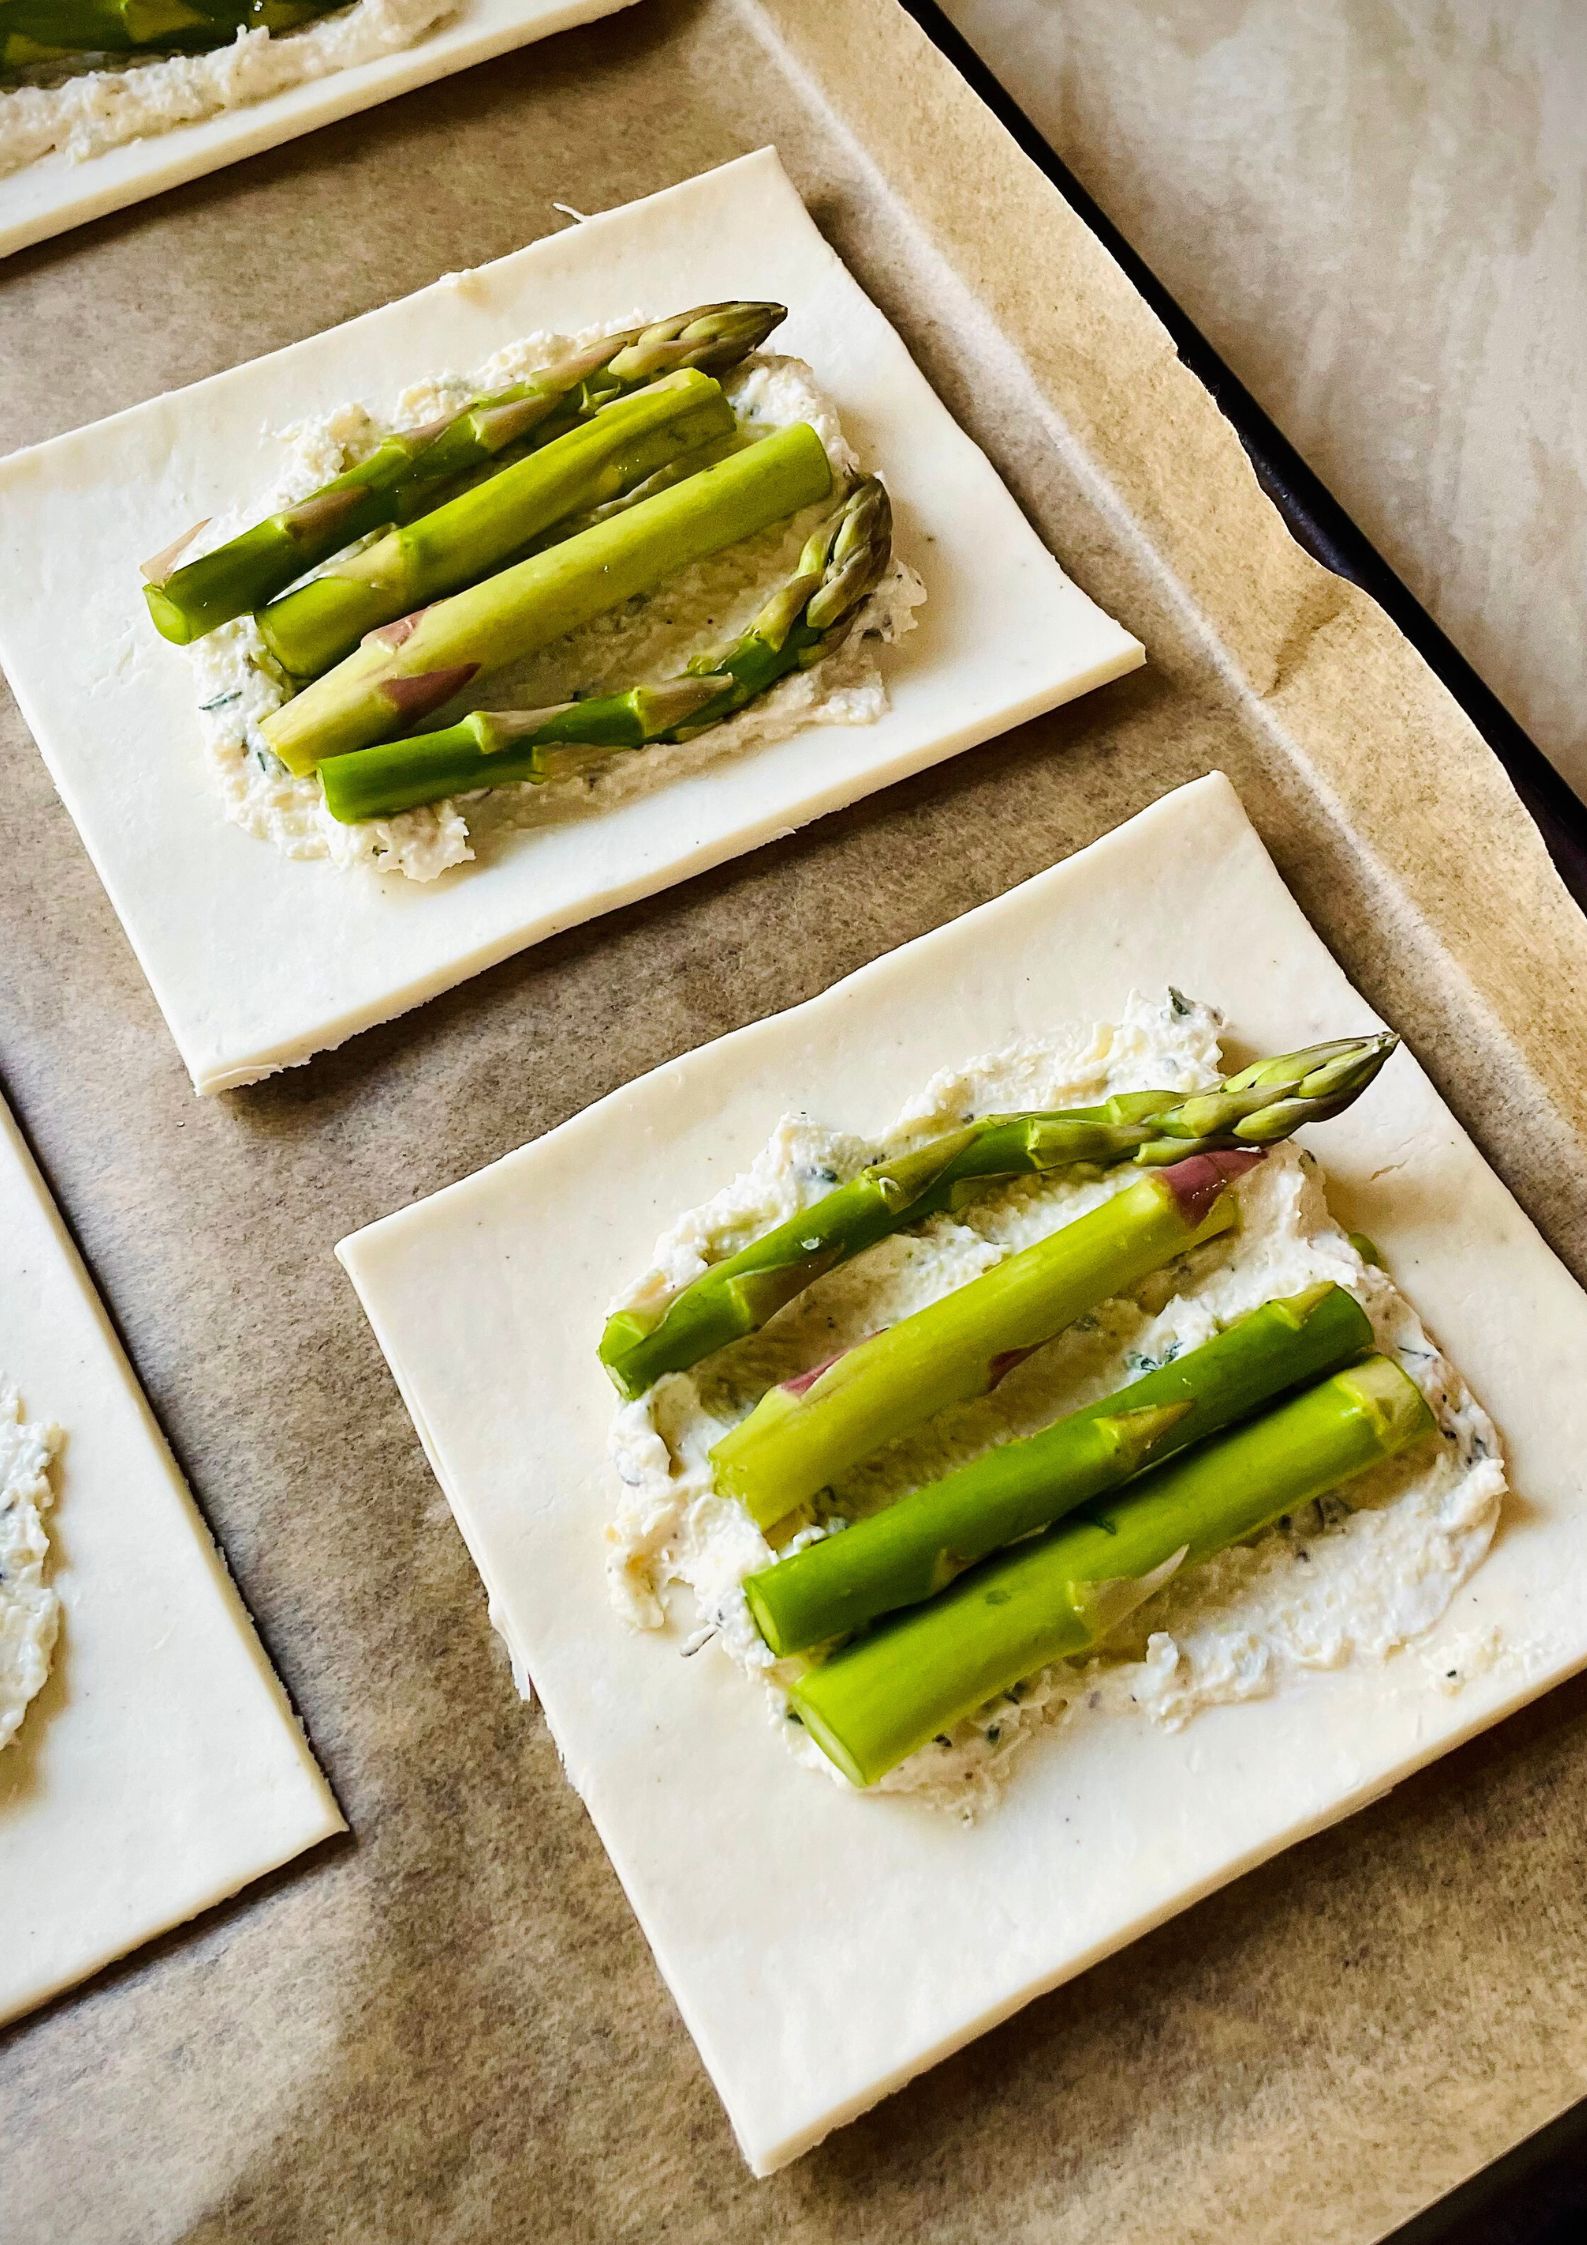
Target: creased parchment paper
(454, 2030)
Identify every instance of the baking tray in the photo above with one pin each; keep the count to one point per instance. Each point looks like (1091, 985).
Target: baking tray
(451, 2027)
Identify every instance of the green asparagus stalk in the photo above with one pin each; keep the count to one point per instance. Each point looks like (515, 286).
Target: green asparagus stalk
(884, 1695)
(915, 1548)
(410, 470)
(47, 28)
(710, 338)
(738, 1295)
(802, 1435)
(406, 670)
(804, 620)
(663, 479)
(468, 537)
(38, 31)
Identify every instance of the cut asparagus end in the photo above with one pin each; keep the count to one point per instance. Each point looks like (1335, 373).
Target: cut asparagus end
(887, 1693)
(239, 575)
(190, 600)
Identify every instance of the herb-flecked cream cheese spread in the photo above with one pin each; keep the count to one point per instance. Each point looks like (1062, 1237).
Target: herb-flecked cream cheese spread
(1354, 1576)
(84, 113)
(29, 1608)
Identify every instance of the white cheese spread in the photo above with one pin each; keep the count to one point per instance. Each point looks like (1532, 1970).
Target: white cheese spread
(1353, 1577)
(29, 1608)
(92, 110)
(700, 608)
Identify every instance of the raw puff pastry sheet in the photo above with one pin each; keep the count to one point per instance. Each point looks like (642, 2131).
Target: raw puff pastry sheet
(47, 197)
(160, 1768)
(823, 1947)
(258, 961)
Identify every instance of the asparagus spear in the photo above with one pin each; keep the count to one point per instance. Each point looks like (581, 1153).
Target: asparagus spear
(36, 31)
(405, 670)
(883, 1696)
(912, 1550)
(663, 479)
(47, 28)
(411, 469)
(738, 1295)
(710, 338)
(804, 620)
(801, 1436)
(469, 536)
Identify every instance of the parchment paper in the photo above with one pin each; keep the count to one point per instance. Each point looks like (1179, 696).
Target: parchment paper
(451, 2029)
